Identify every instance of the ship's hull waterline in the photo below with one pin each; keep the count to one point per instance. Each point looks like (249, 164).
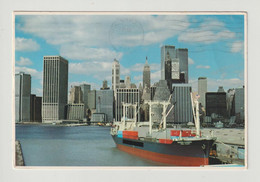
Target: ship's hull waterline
(178, 153)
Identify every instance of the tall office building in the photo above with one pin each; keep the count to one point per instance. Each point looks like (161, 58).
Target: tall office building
(183, 107)
(174, 65)
(202, 89)
(76, 108)
(104, 102)
(115, 75)
(85, 88)
(216, 104)
(55, 88)
(168, 71)
(240, 103)
(146, 95)
(76, 95)
(22, 97)
(182, 55)
(92, 99)
(126, 95)
(146, 75)
(36, 108)
(172, 54)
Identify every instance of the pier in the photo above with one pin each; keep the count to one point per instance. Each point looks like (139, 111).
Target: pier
(19, 161)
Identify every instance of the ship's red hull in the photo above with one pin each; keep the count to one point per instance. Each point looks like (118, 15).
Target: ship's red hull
(164, 158)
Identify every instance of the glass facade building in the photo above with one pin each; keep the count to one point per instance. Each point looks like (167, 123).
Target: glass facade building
(55, 88)
(22, 97)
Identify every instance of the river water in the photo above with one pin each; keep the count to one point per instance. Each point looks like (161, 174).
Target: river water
(51, 145)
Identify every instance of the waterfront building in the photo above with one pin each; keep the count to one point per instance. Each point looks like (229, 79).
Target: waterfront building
(99, 117)
(76, 95)
(239, 99)
(172, 54)
(55, 88)
(181, 98)
(22, 97)
(115, 75)
(92, 99)
(36, 108)
(126, 95)
(182, 55)
(216, 104)
(202, 89)
(85, 88)
(104, 102)
(75, 111)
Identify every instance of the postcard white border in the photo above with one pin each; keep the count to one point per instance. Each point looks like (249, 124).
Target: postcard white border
(7, 173)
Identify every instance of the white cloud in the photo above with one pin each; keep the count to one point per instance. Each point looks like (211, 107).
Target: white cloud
(104, 30)
(99, 70)
(205, 36)
(190, 61)
(33, 72)
(203, 67)
(24, 62)
(209, 31)
(77, 52)
(237, 46)
(23, 44)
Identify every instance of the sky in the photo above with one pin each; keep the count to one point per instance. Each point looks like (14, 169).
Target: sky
(90, 43)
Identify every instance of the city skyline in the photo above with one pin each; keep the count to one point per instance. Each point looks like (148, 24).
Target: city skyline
(214, 43)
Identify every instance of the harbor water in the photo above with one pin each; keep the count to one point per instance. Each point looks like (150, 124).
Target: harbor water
(52, 145)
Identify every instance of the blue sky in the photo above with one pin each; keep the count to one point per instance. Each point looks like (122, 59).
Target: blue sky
(91, 42)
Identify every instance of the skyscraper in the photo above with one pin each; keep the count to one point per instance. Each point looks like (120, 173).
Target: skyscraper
(115, 75)
(182, 55)
(240, 103)
(104, 102)
(36, 108)
(172, 54)
(76, 95)
(168, 71)
(146, 75)
(75, 109)
(126, 95)
(146, 81)
(202, 89)
(22, 97)
(55, 88)
(216, 104)
(183, 107)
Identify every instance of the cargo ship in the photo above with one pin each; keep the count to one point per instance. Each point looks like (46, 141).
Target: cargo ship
(171, 146)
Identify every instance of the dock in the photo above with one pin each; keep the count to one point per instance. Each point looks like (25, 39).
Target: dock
(19, 160)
